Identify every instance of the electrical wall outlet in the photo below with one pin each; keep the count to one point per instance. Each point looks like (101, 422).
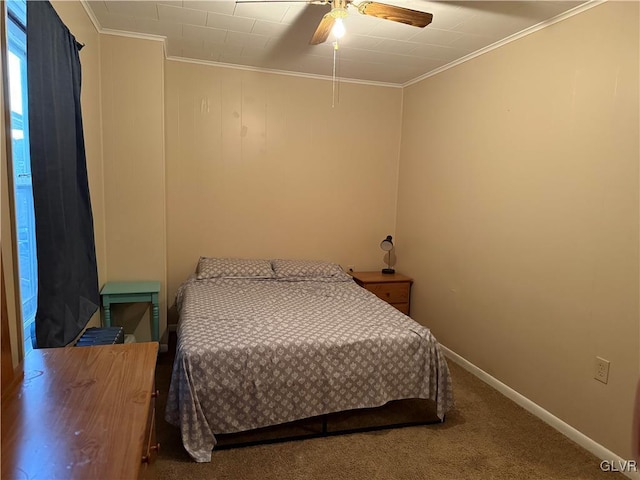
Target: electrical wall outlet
(602, 370)
(351, 268)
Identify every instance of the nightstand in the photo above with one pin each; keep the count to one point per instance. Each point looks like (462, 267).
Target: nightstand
(393, 288)
(132, 292)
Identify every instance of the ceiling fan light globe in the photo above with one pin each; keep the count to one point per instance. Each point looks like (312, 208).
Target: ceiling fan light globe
(338, 29)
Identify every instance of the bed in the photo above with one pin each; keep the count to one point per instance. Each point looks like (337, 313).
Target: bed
(265, 342)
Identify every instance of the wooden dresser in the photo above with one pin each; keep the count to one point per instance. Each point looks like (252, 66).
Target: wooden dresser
(82, 413)
(393, 288)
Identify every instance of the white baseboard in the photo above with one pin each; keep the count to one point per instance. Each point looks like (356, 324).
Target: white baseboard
(578, 437)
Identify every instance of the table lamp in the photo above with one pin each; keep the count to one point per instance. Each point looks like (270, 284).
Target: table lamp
(387, 246)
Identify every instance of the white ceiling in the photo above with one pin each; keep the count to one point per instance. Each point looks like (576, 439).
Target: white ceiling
(275, 35)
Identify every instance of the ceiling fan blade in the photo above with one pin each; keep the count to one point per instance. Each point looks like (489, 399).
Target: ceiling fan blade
(396, 14)
(324, 29)
(310, 2)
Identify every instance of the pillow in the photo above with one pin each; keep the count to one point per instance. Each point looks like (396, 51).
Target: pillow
(211, 267)
(308, 269)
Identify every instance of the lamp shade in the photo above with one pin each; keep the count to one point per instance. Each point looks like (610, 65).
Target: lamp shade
(387, 244)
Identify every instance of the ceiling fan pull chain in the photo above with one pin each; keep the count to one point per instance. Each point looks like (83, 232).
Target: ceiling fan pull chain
(335, 57)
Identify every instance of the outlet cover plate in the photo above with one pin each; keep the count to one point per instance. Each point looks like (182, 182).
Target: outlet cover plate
(602, 370)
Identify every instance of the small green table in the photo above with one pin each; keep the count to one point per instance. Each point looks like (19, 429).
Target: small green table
(132, 292)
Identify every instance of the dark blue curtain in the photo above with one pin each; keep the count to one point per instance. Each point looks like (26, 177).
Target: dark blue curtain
(67, 274)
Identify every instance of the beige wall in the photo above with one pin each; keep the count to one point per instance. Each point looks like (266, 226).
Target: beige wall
(261, 165)
(134, 171)
(518, 215)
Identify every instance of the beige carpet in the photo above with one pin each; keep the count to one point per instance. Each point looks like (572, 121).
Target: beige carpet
(487, 436)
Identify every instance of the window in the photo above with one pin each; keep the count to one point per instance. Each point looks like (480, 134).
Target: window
(25, 222)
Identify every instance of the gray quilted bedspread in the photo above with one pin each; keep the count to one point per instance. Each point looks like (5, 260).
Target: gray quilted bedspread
(254, 353)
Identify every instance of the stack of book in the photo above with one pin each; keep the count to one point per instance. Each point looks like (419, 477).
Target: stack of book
(101, 336)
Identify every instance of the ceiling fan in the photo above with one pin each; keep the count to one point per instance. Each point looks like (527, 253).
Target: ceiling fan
(380, 10)
(374, 9)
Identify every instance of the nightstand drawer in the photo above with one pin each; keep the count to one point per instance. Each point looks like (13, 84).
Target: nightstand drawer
(393, 288)
(391, 292)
